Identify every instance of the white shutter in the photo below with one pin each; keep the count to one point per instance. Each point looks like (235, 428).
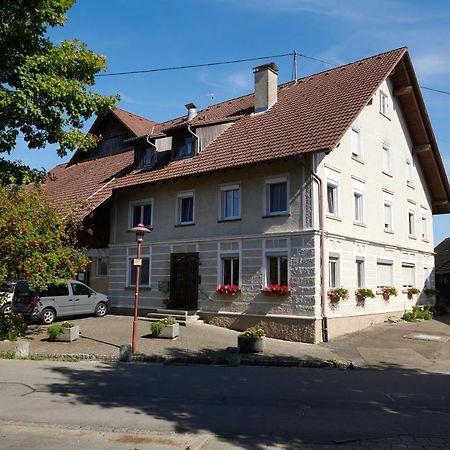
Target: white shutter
(408, 275)
(384, 274)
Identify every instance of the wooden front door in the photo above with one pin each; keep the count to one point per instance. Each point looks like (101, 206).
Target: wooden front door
(184, 280)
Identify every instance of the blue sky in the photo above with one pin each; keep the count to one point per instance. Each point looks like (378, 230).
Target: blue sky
(142, 34)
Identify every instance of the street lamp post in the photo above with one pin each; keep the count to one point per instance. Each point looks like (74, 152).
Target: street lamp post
(140, 230)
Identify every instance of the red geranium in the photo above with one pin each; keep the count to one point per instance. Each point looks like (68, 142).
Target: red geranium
(277, 289)
(230, 289)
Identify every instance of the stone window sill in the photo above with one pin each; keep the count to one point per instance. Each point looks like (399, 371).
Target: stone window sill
(388, 174)
(141, 288)
(411, 236)
(333, 217)
(268, 216)
(359, 160)
(360, 224)
(237, 219)
(184, 225)
(388, 231)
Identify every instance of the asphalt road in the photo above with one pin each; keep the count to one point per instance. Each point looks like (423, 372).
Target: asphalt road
(244, 407)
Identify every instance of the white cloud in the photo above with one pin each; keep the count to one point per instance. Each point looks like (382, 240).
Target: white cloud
(431, 64)
(239, 81)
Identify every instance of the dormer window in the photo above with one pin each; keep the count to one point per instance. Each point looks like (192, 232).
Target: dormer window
(145, 157)
(183, 148)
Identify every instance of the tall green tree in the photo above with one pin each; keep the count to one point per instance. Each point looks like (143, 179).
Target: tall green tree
(37, 243)
(45, 88)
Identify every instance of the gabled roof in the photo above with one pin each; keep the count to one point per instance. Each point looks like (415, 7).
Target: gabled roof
(310, 115)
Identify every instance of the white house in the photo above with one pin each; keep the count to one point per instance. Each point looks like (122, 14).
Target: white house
(327, 182)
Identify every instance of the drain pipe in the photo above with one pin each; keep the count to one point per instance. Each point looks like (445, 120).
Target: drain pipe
(323, 291)
(195, 135)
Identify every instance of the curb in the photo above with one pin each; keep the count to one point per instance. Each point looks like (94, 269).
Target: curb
(232, 360)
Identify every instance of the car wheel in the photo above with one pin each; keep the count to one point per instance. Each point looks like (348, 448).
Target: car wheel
(48, 316)
(101, 309)
(6, 309)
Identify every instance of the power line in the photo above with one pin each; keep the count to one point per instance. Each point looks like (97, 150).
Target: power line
(192, 66)
(295, 54)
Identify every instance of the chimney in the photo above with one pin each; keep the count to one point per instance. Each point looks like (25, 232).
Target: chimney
(192, 111)
(266, 85)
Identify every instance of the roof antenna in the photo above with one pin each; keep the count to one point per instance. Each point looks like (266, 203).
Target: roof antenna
(294, 67)
(211, 96)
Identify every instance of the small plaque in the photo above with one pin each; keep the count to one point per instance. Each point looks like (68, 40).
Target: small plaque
(137, 262)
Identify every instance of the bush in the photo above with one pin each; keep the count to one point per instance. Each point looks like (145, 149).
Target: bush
(157, 327)
(54, 331)
(12, 326)
(253, 333)
(418, 313)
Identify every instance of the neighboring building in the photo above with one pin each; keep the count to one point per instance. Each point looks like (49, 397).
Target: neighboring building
(442, 271)
(335, 176)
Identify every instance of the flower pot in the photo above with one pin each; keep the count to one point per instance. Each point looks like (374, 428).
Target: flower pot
(69, 334)
(170, 331)
(251, 344)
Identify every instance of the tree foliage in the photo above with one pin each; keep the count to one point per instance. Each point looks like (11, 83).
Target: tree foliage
(45, 91)
(36, 242)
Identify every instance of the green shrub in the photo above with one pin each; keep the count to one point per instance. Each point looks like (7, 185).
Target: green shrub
(10, 354)
(12, 326)
(363, 293)
(157, 327)
(253, 333)
(54, 331)
(418, 313)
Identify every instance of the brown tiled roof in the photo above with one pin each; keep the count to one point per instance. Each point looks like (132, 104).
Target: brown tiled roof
(442, 258)
(90, 180)
(136, 124)
(310, 115)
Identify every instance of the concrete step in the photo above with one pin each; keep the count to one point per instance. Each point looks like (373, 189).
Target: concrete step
(182, 317)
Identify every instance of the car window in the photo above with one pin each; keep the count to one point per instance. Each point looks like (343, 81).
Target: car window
(54, 290)
(80, 289)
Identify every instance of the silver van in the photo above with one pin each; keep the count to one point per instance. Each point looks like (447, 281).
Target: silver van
(71, 298)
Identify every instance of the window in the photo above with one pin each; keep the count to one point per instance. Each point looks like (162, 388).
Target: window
(185, 208)
(409, 172)
(277, 196)
(102, 267)
(80, 289)
(356, 143)
(386, 158)
(277, 270)
(387, 211)
(183, 148)
(230, 270)
(230, 207)
(426, 278)
(333, 271)
(384, 273)
(411, 227)
(141, 212)
(424, 227)
(55, 290)
(408, 275)
(358, 207)
(332, 198)
(149, 156)
(360, 272)
(145, 272)
(384, 104)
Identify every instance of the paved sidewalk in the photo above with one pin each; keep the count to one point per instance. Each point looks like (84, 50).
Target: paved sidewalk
(389, 345)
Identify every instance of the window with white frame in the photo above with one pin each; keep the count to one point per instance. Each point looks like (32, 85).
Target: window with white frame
(411, 220)
(358, 200)
(333, 271)
(332, 198)
(230, 202)
(409, 172)
(384, 104)
(144, 273)
(230, 270)
(384, 273)
(141, 212)
(426, 277)
(360, 272)
(185, 208)
(387, 211)
(386, 152)
(277, 269)
(356, 142)
(277, 196)
(424, 225)
(408, 276)
(102, 267)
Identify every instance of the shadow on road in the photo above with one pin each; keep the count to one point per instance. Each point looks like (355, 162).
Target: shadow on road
(254, 407)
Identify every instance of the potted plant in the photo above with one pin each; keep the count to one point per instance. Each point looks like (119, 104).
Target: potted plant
(336, 294)
(363, 293)
(228, 289)
(63, 332)
(167, 328)
(387, 291)
(276, 289)
(251, 340)
(411, 291)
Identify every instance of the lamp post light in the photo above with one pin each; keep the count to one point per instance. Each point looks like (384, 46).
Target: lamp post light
(140, 230)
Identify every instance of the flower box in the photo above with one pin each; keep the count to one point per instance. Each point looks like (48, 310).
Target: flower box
(170, 331)
(228, 289)
(69, 334)
(251, 344)
(276, 289)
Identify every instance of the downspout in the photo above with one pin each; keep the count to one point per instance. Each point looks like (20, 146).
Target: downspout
(195, 135)
(323, 291)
